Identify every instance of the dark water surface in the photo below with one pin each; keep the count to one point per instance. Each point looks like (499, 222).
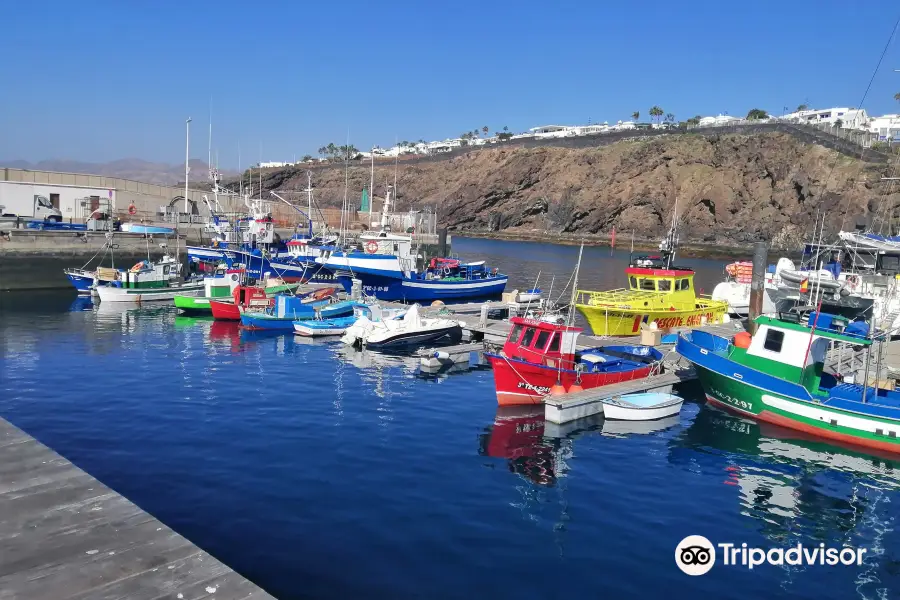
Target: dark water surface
(322, 472)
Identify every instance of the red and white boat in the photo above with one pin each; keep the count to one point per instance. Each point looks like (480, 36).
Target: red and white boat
(538, 355)
(243, 296)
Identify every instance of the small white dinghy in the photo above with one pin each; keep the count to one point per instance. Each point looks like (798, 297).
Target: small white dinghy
(647, 406)
(532, 295)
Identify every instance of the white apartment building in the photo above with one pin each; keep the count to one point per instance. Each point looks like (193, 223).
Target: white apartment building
(887, 127)
(552, 131)
(717, 120)
(850, 118)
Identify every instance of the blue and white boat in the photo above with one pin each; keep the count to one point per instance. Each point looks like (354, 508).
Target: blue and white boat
(82, 279)
(389, 276)
(86, 280)
(288, 309)
(386, 264)
(323, 327)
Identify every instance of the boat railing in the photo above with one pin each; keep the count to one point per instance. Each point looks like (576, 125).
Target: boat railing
(614, 296)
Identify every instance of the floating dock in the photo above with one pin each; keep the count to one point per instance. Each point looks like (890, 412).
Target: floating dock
(66, 535)
(571, 407)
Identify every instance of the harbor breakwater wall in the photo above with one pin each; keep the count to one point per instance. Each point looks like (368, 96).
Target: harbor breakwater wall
(34, 260)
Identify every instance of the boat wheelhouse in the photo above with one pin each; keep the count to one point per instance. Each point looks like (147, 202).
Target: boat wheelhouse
(777, 376)
(539, 354)
(656, 293)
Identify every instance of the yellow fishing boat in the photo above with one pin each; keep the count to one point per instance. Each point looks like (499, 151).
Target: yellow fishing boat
(656, 292)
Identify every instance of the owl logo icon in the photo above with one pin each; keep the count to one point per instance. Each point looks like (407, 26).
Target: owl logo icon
(695, 555)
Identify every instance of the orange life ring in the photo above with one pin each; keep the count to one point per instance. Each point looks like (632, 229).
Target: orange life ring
(371, 247)
(132, 209)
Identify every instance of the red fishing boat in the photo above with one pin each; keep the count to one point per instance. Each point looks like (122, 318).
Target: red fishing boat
(538, 355)
(243, 296)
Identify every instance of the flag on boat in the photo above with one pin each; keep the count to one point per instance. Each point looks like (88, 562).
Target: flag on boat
(364, 202)
(612, 241)
(804, 286)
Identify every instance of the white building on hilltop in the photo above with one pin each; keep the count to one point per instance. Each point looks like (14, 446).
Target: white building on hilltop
(717, 120)
(887, 127)
(850, 118)
(273, 165)
(551, 131)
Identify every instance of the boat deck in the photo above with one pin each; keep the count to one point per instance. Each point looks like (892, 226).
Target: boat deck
(66, 535)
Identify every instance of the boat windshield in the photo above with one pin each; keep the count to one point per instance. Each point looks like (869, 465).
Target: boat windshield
(514, 334)
(542, 340)
(529, 335)
(554, 344)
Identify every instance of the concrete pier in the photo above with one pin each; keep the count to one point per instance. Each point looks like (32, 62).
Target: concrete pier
(66, 535)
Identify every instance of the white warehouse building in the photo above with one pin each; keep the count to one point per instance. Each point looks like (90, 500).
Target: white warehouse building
(77, 195)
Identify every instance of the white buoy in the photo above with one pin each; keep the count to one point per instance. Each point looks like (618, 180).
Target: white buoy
(654, 326)
(726, 318)
(441, 355)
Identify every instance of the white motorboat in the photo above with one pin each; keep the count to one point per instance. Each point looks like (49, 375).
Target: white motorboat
(647, 406)
(407, 331)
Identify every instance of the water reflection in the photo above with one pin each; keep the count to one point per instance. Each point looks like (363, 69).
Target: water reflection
(517, 435)
(81, 303)
(538, 450)
(796, 489)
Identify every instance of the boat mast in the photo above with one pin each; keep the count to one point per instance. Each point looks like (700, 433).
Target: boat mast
(371, 187)
(667, 248)
(309, 201)
(187, 153)
(574, 286)
(384, 208)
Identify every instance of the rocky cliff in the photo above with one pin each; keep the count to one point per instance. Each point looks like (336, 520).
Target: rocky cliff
(730, 189)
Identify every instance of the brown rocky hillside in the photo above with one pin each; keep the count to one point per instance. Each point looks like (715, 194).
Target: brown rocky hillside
(731, 189)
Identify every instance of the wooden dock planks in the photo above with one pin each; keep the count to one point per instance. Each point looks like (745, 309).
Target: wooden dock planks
(66, 535)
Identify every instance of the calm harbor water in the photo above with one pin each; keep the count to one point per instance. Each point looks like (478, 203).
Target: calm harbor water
(321, 472)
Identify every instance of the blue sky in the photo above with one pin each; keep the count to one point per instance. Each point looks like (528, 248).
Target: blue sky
(100, 80)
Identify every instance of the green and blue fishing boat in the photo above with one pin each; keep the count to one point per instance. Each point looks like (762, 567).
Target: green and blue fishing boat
(778, 376)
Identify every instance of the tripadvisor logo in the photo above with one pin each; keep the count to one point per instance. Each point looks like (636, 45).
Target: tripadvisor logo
(696, 555)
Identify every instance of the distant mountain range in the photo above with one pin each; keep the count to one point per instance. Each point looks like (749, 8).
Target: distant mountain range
(125, 168)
